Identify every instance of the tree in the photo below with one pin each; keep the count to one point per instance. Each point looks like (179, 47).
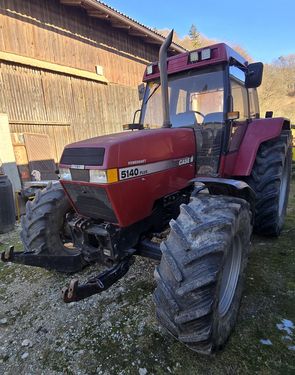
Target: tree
(194, 36)
(277, 92)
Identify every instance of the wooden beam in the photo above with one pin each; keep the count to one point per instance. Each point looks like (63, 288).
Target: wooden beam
(23, 60)
(96, 14)
(152, 41)
(40, 122)
(137, 33)
(120, 25)
(71, 2)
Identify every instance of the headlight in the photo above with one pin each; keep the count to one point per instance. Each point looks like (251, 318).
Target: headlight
(194, 56)
(206, 54)
(65, 174)
(103, 177)
(98, 176)
(149, 69)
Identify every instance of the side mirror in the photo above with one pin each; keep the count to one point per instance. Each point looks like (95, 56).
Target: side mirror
(253, 75)
(141, 89)
(133, 127)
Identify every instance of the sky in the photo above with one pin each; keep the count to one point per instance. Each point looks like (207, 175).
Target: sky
(265, 29)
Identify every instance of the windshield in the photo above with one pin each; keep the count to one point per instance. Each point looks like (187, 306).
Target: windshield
(194, 98)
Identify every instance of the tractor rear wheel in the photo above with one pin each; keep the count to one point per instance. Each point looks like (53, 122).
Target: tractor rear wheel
(44, 229)
(201, 275)
(270, 179)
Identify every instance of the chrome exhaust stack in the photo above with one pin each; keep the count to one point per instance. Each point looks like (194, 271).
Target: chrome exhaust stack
(164, 79)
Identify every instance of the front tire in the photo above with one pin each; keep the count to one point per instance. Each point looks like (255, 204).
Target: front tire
(201, 275)
(43, 226)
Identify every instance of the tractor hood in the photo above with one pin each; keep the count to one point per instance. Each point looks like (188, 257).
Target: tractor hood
(118, 178)
(129, 149)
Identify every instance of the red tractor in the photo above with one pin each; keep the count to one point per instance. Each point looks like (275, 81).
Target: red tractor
(187, 186)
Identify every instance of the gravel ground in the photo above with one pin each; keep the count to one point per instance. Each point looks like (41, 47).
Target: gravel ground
(116, 332)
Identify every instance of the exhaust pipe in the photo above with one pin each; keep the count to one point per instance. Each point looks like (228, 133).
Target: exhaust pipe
(164, 79)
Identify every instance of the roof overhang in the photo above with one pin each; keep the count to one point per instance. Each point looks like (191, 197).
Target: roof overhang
(119, 20)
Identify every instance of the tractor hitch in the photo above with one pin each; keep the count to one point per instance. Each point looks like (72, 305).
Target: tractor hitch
(59, 263)
(97, 284)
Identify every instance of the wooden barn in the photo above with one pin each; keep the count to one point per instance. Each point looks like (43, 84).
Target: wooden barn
(70, 68)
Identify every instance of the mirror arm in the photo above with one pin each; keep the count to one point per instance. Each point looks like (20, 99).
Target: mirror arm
(138, 110)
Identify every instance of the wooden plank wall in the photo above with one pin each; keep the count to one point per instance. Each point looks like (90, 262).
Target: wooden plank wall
(49, 31)
(66, 108)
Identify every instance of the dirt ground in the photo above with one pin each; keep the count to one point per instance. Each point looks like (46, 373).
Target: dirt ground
(116, 332)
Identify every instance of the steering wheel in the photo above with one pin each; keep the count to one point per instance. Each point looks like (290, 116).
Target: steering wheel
(199, 113)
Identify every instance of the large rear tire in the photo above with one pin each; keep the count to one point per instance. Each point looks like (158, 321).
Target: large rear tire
(43, 226)
(201, 275)
(270, 179)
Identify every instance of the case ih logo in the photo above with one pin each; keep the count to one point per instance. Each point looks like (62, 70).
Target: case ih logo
(186, 160)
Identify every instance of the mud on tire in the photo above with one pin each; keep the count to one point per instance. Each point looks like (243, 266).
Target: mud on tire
(43, 225)
(270, 179)
(206, 250)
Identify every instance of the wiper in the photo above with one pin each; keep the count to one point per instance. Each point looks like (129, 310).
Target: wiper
(152, 93)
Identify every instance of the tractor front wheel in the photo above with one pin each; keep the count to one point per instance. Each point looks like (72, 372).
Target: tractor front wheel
(44, 227)
(202, 270)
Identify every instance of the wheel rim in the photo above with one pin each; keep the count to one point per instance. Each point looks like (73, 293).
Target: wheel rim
(230, 276)
(283, 189)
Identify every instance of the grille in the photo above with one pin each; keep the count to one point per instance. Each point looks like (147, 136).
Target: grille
(80, 175)
(91, 201)
(83, 156)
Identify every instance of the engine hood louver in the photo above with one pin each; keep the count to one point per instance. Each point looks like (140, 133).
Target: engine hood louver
(90, 156)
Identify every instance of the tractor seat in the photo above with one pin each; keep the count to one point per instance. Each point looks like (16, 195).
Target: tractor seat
(214, 117)
(184, 119)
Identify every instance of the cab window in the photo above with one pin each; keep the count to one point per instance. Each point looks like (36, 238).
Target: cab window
(254, 104)
(239, 93)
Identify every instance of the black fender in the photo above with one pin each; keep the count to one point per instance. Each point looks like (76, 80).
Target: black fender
(227, 186)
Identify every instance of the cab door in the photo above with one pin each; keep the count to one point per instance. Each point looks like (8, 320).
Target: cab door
(240, 104)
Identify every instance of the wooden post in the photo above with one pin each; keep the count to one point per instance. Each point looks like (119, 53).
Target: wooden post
(6, 153)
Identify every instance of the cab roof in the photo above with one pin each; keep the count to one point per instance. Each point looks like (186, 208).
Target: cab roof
(219, 53)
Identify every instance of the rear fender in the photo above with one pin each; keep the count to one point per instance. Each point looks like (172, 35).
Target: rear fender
(240, 163)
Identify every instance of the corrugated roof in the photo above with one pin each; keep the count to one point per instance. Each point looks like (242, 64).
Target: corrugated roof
(101, 10)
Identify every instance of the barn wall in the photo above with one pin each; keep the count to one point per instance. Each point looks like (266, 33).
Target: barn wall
(49, 31)
(67, 108)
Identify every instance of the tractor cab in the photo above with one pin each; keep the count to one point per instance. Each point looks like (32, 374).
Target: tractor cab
(213, 91)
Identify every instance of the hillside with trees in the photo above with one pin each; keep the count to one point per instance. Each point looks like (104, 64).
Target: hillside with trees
(277, 92)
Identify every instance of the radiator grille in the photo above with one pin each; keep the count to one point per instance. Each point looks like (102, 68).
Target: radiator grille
(80, 175)
(91, 201)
